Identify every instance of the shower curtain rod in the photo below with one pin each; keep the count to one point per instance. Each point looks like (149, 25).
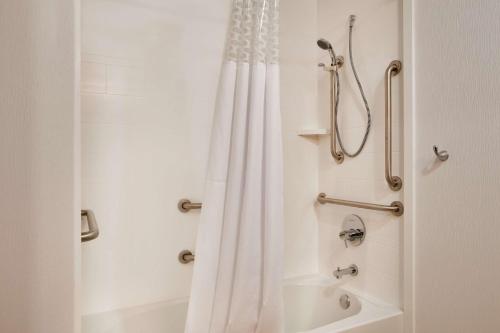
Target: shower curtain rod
(396, 207)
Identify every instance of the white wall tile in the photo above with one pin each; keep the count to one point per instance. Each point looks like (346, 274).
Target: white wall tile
(376, 42)
(145, 140)
(298, 105)
(93, 77)
(144, 146)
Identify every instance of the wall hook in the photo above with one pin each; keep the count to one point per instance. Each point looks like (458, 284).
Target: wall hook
(441, 155)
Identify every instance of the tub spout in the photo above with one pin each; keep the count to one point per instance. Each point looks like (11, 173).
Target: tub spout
(351, 270)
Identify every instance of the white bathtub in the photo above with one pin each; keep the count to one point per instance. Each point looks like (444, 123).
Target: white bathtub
(312, 305)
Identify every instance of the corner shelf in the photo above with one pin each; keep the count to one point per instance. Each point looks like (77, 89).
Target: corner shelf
(313, 132)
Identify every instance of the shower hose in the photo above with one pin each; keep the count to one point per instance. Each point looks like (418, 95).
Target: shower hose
(367, 107)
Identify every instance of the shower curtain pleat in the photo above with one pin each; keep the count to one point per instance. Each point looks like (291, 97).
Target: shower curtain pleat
(236, 286)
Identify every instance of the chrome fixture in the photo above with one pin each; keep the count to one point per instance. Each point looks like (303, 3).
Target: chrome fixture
(353, 230)
(326, 45)
(345, 301)
(441, 155)
(336, 62)
(396, 207)
(186, 256)
(395, 182)
(93, 232)
(185, 205)
(351, 270)
(352, 19)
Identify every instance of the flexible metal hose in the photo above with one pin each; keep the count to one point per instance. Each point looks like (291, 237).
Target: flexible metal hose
(352, 18)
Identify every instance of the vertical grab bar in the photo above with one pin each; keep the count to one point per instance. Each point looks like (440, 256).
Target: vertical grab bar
(395, 182)
(337, 156)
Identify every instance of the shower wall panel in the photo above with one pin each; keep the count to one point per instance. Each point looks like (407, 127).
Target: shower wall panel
(376, 42)
(298, 30)
(149, 80)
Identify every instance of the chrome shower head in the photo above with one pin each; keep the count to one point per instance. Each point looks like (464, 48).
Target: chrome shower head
(326, 45)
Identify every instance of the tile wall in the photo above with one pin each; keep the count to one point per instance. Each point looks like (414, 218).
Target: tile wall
(376, 42)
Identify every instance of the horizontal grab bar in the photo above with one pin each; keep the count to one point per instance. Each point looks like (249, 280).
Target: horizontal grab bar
(92, 223)
(185, 205)
(396, 207)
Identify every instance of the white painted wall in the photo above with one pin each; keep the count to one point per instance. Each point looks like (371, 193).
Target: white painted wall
(149, 79)
(457, 70)
(376, 42)
(39, 197)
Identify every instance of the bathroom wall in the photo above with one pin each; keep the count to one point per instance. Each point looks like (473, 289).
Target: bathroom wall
(149, 79)
(457, 252)
(376, 42)
(39, 198)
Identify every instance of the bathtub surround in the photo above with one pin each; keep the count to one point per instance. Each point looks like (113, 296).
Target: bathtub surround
(237, 276)
(376, 41)
(298, 104)
(147, 107)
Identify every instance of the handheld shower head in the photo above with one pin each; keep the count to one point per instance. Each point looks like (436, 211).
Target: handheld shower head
(326, 45)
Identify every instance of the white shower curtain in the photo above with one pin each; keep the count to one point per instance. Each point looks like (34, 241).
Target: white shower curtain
(237, 279)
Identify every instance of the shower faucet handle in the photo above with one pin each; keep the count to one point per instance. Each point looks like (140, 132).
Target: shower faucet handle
(351, 235)
(353, 230)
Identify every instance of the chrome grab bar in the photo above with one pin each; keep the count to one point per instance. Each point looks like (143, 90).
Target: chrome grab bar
(396, 207)
(395, 182)
(93, 231)
(185, 205)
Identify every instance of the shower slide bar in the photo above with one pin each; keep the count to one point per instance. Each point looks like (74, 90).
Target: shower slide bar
(395, 182)
(93, 231)
(337, 155)
(185, 205)
(396, 208)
